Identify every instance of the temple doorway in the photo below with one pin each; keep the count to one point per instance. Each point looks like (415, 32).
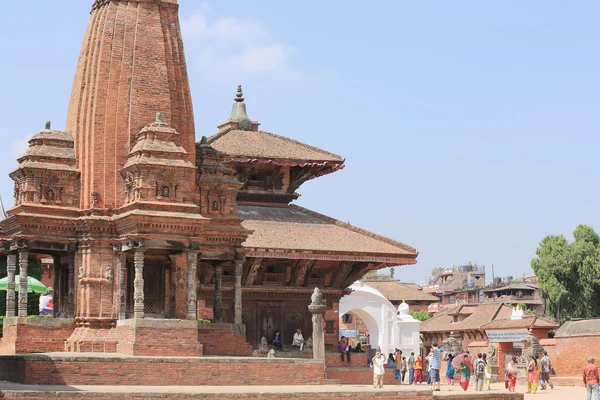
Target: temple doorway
(156, 288)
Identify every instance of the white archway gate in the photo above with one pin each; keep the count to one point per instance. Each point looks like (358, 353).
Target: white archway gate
(388, 328)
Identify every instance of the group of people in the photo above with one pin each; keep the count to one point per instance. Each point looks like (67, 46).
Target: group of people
(538, 373)
(297, 341)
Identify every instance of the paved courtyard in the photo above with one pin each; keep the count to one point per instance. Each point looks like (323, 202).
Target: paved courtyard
(559, 393)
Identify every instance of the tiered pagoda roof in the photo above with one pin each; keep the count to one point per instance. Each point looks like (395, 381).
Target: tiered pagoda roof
(288, 231)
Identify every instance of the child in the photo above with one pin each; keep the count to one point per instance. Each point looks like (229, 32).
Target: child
(465, 376)
(449, 369)
(419, 369)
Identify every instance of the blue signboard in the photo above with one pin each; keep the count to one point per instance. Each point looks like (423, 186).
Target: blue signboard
(349, 333)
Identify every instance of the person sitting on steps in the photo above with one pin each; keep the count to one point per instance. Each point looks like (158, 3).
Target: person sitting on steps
(276, 340)
(298, 340)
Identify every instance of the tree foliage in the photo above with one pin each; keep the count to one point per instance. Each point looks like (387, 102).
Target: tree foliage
(569, 273)
(420, 315)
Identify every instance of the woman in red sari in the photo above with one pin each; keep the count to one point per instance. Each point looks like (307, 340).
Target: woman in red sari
(511, 374)
(465, 372)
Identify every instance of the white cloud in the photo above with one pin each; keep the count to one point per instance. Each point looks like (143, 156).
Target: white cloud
(231, 47)
(19, 147)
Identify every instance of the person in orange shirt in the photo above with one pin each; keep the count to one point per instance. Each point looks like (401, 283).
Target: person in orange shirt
(590, 378)
(419, 369)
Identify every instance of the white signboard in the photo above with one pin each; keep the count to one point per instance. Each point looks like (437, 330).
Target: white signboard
(505, 336)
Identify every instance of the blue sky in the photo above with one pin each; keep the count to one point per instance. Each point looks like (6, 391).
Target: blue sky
(470, 128)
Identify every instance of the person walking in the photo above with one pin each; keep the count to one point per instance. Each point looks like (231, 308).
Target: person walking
(411, 368)
(378, 369)
(465, 373)
(479, 367)
(545, 371)
(418, 370)
(398, 358)
(436, 364)
(404, 368)
(511, 374)
(449, 369)
(533, 375)
(591, 379)
(488, 372)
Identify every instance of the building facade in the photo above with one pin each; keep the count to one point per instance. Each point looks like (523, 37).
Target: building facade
(147, 226)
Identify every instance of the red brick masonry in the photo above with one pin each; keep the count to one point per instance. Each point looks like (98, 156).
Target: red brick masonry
(41, 369)
(35, 335)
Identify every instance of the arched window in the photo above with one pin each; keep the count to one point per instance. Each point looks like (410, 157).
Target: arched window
(165, 191)
(215, 206)
(50, 195)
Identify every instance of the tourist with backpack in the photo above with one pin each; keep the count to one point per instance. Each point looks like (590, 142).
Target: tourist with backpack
(479, 366)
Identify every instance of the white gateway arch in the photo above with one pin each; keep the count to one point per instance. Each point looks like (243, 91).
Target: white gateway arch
(389, 328)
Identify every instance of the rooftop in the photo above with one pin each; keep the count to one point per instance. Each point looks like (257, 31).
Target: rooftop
(580, 327)
(478, 316)
(296, 229)
(400, 291)
(528, 321)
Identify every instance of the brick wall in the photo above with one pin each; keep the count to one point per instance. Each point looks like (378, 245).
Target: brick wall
(35, 335)
(334, 359)
(224, 339)
(572, 353)
(149, 371)
(148, 337)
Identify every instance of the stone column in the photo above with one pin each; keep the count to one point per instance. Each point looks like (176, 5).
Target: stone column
(138, 284)
(11, 267)
(237, 299)
(217, 294)
(192, 285)
(23, 263)
(57, 294)
(173, 287)
(317, 308)
(122, 274)
(71, 284)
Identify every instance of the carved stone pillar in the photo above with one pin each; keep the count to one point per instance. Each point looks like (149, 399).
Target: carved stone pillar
(11, 267)
(217, 294)
(317, 309)
(192, 286)
(122, 274)
(23, 263)
(173, 288)
(237, 299)
(138, 284)
(71, 284)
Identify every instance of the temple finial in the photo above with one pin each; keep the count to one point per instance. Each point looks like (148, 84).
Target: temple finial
(48, 125)
(238, 112)
(204, 140)
(239, 96)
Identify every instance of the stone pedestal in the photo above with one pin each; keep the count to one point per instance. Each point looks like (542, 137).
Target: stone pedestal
(317, 309)
(158, 337)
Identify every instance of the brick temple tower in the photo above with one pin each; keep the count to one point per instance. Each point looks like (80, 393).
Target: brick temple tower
(116, 197)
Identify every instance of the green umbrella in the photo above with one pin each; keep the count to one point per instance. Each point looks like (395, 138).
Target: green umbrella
(33, 285)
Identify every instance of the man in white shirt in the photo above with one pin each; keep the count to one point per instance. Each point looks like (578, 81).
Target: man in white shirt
(378, 369)
(298, 340)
